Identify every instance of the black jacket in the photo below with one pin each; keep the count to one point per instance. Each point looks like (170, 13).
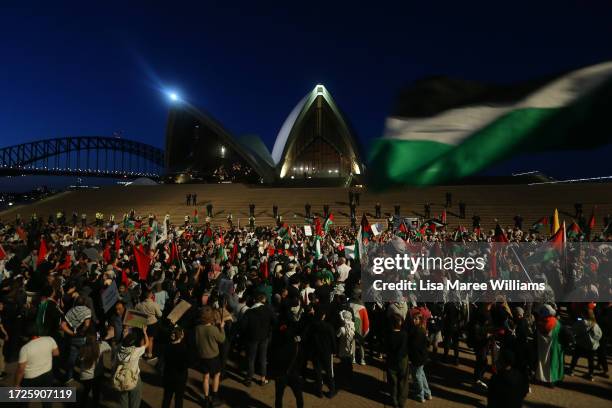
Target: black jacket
(257, 323)
(396, 348)
(322, 338)
(417, 346)
(507, 389)
(177, 359)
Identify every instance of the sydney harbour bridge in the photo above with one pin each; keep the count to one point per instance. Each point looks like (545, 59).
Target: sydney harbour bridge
(83, 156)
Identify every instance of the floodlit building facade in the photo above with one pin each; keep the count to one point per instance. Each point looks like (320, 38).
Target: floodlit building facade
(314, 144)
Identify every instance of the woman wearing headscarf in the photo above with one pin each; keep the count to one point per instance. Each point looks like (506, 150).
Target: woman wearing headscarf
(549, 368)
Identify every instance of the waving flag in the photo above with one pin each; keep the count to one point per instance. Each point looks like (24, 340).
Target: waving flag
(195, 216)
(318, 229)
(574, 230)
(558, 239)
(329, 222)
(366, 229)
(540, 223)
(143, 262)
(445, 129)
(591, 223)
(42, 252)
(554, 224)
(67, 263)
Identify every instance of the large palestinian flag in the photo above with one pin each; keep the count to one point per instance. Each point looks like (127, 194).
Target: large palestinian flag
(447, 129)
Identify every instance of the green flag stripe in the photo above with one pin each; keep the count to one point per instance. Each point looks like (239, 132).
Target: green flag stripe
(521, 130)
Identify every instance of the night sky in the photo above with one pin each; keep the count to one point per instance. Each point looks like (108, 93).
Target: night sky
(83, 70)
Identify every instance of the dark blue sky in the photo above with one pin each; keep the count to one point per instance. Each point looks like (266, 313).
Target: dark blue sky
(84, 70)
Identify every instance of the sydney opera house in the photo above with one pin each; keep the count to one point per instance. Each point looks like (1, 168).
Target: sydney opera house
(315, 145)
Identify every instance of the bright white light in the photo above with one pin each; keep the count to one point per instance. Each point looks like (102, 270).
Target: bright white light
(173, 96)
(10, 203)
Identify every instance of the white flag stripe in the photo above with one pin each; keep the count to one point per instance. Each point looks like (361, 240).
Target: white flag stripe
(455, 125)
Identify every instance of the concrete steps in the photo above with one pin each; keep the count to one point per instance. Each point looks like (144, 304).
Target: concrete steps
(502, 202)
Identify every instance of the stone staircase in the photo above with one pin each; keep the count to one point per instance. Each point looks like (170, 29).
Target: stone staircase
(488, 201)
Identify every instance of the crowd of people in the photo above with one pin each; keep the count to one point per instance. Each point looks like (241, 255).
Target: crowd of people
(243, 292)
(235, 172)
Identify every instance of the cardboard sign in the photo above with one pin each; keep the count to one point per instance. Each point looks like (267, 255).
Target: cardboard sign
(377, 229)
(110, 296)
(134, 318)
(308, 230)
(178, 311)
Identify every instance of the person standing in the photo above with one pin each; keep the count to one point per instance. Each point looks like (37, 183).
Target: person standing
(275, 211)
(588, 334)
(4, 338)
(257, 326)
(449, 200)
(476, 222)
(149, 307)
(377, 210)
(346, 347)
(462, 206)
(188, 199)
(323, 340)
(396, 350)
(450, 331)
(92, 367)
(417, 352)
(176, 366)
(509, 385)
(126, 373)
(362, 325)
(518, 222)
(325, 210)
(208, 338)
(35, 362)
(549, 367)
(307, 210)
(287, 358)
(194, 199)
(209, 210)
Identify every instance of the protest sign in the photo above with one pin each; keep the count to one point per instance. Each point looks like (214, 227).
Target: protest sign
(110, 296)
(134, 318)
(178, 311)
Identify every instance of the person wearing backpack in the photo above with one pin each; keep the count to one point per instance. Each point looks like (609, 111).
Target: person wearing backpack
(346, 347)
(588, 334)
(126, 377)
(92, 368)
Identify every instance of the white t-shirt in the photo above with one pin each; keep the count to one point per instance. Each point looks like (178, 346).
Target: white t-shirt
(343, 272)
(37, 356)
